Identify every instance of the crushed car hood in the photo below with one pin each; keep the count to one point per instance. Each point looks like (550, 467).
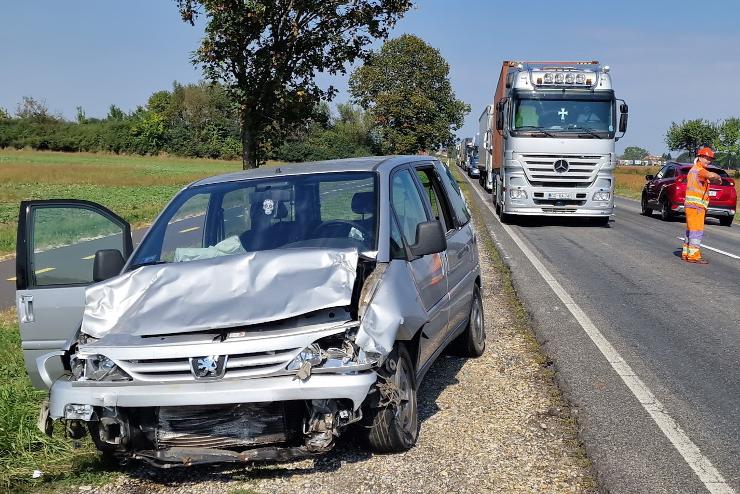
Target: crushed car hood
(222, 292)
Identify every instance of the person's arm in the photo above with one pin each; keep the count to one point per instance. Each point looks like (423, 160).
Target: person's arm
(712, 177)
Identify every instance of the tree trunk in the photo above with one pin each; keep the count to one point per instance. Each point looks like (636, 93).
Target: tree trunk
(249, 143)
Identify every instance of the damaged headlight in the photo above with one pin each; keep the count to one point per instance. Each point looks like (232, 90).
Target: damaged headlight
(96, 368)
(333, 353)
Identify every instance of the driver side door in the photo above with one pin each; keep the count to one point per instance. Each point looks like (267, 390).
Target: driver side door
(55, 251)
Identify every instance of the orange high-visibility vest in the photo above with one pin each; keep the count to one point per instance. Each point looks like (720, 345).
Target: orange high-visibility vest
(697, 187)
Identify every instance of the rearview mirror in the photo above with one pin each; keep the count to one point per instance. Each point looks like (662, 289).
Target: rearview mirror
(623, 122)
(107, 264)
(430, 239)
(500, 115)
(649, 177)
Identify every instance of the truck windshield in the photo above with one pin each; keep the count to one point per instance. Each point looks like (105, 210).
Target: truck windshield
(329, 210)
(540, 115)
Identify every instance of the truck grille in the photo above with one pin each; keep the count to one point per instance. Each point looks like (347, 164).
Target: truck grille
(234, 426)
(237, 366)
(541, 172)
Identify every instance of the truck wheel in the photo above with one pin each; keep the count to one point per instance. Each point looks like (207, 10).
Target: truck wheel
(726, 220)
(472, 341)
(645, 210)
(665, 210)
(393, 425)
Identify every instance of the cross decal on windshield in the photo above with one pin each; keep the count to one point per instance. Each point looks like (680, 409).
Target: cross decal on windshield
(562, 113)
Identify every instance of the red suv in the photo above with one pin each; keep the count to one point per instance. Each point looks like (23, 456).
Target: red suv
(666, 191)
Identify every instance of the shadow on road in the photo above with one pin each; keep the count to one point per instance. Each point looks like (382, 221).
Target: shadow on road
(543, 221)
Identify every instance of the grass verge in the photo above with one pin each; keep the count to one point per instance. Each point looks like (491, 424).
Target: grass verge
(23, 448)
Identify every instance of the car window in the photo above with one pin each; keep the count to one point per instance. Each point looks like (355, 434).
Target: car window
(435, 194)
(719, 172)
(407, 204)
(64, 242)
(397, 250)
(459, 206)
(332, 210)
(185, 228)
(661, 173)
(670, 172)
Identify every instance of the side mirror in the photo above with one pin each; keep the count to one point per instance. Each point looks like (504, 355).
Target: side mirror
(430, 239)
(649, 177)
(623, 122)
(107, 264)
(500, 115)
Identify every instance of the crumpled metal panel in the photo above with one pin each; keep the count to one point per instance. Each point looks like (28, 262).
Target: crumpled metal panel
(394, 312)
(220, 293)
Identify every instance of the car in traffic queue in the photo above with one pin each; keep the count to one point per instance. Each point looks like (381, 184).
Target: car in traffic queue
(263, 313)
(666, 191)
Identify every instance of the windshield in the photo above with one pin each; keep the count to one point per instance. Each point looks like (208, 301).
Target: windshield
(332, 210)
(544, 115)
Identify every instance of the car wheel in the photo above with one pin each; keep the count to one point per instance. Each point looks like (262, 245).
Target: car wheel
(726, 220)
(393, 424)
(472, 341)
(665, 210)
(645, 210)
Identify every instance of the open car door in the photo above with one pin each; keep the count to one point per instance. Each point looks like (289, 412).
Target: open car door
(55, 252)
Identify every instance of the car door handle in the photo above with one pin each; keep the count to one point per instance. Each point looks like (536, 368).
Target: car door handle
(26, 307)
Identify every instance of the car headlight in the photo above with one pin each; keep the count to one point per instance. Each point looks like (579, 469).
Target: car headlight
(517, 194)
(96, 368)
(602, 196)
(332, 353)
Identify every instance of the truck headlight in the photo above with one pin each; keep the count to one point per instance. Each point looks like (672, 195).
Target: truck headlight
(517, 194)
(602, 196)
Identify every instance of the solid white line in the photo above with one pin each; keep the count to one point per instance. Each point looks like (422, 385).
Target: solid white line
(709, 476)
(704, 246)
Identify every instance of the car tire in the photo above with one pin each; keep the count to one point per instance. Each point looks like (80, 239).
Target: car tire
(393, 427)
(645, 210)
(472, 341)
(726, 220)
(666, 214)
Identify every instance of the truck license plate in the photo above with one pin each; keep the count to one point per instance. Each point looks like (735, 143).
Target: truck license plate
(712, 193)
(561, 195)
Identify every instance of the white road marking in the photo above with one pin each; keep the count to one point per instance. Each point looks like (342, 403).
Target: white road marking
(192, 229)
(87, 258)
(43, 270)
(700, 464)
(704, 246)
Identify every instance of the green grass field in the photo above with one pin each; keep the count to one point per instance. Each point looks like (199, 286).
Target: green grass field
(136, 187)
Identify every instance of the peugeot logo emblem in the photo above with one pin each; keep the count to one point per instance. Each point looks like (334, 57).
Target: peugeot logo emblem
(561, 166)
(208, 367)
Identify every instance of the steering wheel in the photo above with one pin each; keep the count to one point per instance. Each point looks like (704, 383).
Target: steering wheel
(345, 224)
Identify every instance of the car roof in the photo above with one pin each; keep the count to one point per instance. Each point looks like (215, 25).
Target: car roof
(365, 164)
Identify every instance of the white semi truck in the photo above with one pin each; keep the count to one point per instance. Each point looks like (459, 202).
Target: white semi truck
(548, 140)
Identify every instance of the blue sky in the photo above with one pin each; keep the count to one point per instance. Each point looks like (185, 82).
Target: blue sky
(670, 60)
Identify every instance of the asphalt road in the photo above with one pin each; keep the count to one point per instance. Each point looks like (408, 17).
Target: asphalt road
(676, 325)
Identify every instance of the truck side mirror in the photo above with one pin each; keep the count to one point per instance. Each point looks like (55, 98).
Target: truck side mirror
(500, 115)
(623, 122)
(107, 264)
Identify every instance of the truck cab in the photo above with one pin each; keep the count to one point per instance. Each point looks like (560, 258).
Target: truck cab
(553, 127)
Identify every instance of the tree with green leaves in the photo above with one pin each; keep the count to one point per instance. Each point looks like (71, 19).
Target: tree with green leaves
(728, 143)
(406, 90)
(634, 153)
(690, 135)
(268, 52)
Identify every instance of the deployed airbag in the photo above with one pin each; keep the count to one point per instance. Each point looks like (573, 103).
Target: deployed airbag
(221, 292)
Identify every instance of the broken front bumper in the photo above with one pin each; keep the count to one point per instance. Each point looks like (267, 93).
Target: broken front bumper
(354, 387)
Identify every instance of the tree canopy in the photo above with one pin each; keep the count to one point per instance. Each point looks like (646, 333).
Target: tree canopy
(267, 53)
(690, 135)
(634, 153)
(406, 90)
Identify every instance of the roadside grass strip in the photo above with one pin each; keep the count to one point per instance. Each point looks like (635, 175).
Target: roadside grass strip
(700, 464)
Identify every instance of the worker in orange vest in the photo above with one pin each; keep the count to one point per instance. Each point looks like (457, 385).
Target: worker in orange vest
(696, 204)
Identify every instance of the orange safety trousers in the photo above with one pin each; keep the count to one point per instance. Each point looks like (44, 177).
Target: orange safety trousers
(694, 233)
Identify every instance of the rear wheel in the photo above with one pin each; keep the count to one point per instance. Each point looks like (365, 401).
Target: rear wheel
(666, 214)
(645, 209)
(726, 220)
(472, 341)
(393, 424)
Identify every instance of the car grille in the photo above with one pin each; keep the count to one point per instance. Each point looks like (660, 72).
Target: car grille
(223, 426)
(237, 366)
(541, 173)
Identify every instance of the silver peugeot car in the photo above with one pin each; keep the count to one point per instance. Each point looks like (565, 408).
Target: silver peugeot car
(262, 313)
